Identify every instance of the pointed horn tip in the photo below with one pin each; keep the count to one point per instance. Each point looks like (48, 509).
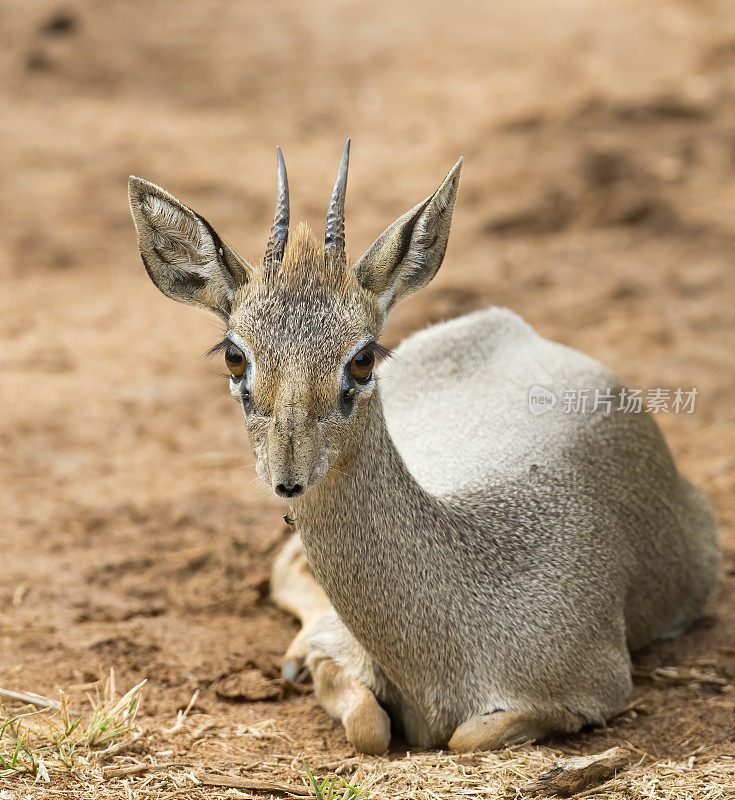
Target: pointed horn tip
(282, 176)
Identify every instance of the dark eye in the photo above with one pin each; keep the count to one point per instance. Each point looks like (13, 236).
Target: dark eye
(361, 366)
(235, 360)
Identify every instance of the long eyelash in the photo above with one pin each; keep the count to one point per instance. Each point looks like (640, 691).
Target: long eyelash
(218, 348)
(379, 350)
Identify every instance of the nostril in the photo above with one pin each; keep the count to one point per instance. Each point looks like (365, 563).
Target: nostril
(289, 490)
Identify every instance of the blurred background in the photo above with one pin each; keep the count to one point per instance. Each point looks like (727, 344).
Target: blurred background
(596, 201)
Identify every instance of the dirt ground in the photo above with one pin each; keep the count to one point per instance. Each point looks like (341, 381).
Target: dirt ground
(596, 201)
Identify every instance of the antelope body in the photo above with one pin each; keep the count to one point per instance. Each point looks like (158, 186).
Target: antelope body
(469, 571)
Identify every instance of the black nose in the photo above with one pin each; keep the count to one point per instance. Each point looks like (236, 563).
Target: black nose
(289, 490)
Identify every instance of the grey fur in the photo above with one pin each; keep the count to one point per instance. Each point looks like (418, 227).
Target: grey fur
(482, 558)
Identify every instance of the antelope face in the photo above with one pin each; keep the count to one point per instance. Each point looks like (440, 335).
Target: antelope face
(303, 324)
(301, 357)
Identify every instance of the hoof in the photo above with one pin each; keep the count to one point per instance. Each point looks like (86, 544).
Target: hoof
(295, 671)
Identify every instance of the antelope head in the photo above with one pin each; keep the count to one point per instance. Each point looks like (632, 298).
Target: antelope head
(303, 323)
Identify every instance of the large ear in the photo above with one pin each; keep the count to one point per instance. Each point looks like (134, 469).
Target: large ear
(181, 252)
(407, 255)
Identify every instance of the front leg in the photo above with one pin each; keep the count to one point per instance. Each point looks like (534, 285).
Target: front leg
(341, 669)
(350, 702)
(349, 684)
(294, 589)
(293, 586)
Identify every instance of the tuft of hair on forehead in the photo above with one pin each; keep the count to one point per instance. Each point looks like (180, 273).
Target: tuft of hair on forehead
(304, 264)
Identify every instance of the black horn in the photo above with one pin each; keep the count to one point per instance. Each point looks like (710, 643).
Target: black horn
(279, 231)
(334, 236)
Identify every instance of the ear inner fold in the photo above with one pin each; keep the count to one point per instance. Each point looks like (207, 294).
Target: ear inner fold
(182, 253)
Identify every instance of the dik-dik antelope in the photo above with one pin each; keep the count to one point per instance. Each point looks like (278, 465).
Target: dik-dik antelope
(488, 570)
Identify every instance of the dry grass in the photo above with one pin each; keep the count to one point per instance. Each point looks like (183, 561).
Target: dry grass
(57, 754)
(56, 740)
(503, 775)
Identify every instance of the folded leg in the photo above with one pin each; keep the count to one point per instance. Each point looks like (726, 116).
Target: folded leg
(503, 728)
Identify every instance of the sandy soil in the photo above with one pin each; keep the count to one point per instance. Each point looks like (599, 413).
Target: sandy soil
(596, 202)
